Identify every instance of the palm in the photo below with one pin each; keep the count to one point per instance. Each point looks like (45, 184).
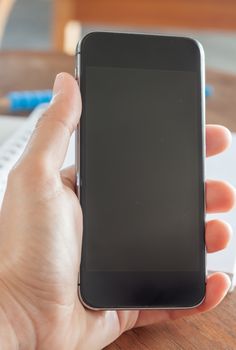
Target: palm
(40, 247)
(114, 323)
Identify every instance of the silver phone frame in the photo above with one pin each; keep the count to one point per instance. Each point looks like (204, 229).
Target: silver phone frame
(203, 121)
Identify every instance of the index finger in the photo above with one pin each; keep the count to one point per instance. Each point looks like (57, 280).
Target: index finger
(218, 139)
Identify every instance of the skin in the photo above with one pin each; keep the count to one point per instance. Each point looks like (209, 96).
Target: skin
(40, 242)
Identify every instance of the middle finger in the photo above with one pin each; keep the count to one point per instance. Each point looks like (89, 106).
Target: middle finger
(220, 196)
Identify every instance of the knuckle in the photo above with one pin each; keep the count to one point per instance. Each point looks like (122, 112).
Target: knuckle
(37, 181)
(40, 121)
(51, 119)
(27, 172)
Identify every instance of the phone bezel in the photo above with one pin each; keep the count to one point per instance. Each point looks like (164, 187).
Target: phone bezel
(178, 44)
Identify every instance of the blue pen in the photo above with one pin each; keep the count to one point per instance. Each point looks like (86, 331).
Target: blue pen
(20, 101)
(209, 90)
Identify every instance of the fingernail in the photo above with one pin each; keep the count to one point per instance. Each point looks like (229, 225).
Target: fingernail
(228, 283)
(58, 84)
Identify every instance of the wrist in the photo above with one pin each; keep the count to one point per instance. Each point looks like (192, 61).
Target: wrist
(16, 328)
(27, 326)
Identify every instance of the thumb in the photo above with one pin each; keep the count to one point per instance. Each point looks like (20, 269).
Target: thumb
(68, 177)
(50, 139)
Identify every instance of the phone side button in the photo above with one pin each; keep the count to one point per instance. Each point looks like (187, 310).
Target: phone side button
(77, 65)
(78, 181)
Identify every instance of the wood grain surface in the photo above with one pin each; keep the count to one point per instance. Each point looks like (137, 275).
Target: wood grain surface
(215, 330)
(221, 107)
(201, 14)
(31, 70)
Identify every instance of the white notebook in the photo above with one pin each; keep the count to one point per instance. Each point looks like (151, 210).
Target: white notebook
(12, 148)
(217, 167)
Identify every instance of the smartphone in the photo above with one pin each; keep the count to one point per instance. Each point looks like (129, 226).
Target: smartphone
(140, 171)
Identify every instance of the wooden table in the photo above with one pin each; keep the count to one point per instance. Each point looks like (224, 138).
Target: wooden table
(192, 14)
(31, 70)
(214, 330)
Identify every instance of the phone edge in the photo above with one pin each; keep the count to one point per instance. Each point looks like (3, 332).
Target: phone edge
(203, 123)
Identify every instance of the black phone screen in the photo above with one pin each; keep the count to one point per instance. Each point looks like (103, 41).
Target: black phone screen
(142, 159)
(142, 169)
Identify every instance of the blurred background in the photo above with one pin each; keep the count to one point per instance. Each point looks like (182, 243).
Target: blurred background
(57, 24)
(38, 40)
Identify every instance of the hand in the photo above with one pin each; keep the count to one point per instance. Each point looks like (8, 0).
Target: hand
(40, 242)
